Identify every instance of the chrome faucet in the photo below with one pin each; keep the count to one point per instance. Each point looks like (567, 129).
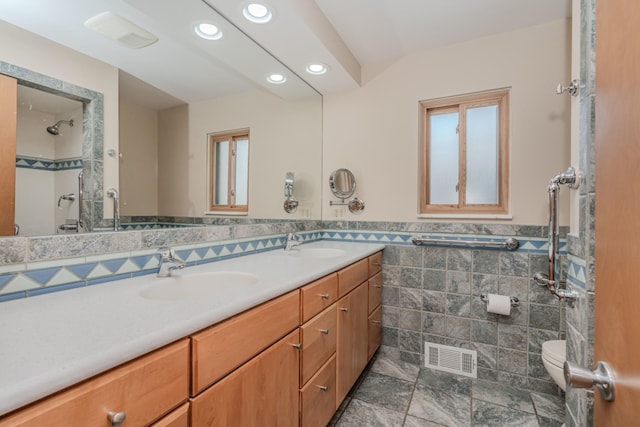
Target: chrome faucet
(169, 261)
(292, 240)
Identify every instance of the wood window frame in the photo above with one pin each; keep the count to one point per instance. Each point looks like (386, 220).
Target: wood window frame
(230, 206)
(460, 104)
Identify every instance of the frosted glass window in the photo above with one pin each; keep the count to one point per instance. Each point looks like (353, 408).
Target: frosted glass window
(463, 158)
(241, 183)
(221, 171)
(443, 159)
(482, 155)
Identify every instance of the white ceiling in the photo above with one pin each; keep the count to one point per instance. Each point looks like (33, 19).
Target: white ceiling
(347, 35)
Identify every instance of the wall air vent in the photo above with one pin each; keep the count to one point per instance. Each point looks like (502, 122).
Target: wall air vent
(451, 359)
(117, 28)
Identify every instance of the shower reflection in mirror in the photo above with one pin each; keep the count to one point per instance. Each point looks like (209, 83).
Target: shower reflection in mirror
(48, 160)
(229, 172)
(342, 183)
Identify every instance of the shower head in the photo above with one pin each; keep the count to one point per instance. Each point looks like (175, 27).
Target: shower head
(55, 129)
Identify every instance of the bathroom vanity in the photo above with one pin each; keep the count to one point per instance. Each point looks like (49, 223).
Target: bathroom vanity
(282, 349)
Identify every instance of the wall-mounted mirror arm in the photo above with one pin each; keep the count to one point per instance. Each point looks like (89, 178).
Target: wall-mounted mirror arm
(342, 183)
(290, 204)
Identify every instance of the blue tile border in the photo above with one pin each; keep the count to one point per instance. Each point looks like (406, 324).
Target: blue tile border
(38, 163)
(89, 271)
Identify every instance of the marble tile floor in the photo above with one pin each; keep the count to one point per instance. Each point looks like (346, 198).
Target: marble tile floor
(392, 393)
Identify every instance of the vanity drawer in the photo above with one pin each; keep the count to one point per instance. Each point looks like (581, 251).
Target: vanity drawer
(318, 342)
(375, 291)
(318, 397)
(218, 350)
(350, 277)
(375, 331)
(317, 296)
(178, 418)
(375, 263)
(145, 389)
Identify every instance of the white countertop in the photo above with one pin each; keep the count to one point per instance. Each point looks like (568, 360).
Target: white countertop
(52, 341)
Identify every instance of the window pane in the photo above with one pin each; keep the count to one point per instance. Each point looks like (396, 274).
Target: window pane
(242, 171)
(443, 163)
(482, 155)
(221, 171)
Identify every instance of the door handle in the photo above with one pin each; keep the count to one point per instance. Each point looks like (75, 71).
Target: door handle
(602, 378)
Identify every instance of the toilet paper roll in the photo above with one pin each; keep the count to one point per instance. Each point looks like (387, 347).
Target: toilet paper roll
(499, 304)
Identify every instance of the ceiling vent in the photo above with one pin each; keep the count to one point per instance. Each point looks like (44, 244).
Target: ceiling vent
(121, 30)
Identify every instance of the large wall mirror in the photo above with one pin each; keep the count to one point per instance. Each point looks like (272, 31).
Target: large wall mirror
(160, 103)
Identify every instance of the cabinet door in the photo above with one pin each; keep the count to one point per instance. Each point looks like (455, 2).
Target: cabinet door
(353, 339)
(143, 389)
(262, 392)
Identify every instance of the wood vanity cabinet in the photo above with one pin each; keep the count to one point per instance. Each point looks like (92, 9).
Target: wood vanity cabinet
(144, 389)
(287, 362)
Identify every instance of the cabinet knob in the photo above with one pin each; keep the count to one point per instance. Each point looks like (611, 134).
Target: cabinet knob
(116, 418)
(345, 309)
(297, 346)
(324, 331)
(323, 387)
(324, 296)
(377, 322)
(376, 264)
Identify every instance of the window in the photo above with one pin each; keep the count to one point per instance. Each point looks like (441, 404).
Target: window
(229, 171)
(464, 154)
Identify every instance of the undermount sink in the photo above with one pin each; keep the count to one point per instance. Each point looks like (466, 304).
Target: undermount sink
(316, 252)
(199, 285)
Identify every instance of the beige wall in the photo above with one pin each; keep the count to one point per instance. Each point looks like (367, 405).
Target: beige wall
(35, 53)
(139, 162)
(374, 130)
(285, 136)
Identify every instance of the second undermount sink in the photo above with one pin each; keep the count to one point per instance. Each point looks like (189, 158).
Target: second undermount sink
(198, 285)
(303, 252)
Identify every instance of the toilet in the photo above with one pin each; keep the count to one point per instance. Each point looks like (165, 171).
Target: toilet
(554, 354)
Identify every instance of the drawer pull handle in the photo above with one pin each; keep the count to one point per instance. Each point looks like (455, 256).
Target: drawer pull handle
(345, 309)
(377, 322)
(116, 418)
(324, 296)
(324, 331)
(297, 346)
(323, 387)
(376, 264)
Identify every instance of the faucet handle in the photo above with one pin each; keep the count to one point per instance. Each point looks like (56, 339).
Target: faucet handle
(167, 253)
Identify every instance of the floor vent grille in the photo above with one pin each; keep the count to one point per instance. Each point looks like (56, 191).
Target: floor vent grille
(451, 359)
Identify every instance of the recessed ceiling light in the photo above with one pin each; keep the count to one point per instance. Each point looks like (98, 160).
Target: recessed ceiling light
(257, 12)
(208, 31)
(276, 78)
(317, 69)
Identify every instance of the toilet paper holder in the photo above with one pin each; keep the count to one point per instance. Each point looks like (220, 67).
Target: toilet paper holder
(514, 300)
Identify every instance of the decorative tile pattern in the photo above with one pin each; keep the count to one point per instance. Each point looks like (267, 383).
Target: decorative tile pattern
(36, 163)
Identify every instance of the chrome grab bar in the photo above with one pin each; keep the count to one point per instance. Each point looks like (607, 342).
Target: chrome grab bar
(113, 193)
(551, 280)
(80, 194)
(511, 244)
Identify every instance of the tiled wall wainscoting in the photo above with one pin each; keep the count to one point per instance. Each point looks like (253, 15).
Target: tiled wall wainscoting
(433, 294)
